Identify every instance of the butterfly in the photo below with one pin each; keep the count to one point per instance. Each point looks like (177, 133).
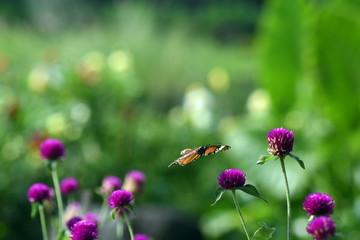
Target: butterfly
(189, 155)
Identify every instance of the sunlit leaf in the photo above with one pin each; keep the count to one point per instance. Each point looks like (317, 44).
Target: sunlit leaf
(264, 158)
(218, 194)
(113, 214)
(263, 233)
(251, 190)
(62, 235)
(34, 209)
(301, 163)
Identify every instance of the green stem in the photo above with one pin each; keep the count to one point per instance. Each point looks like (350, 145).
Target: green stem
(127, 221)
(287, 192)
(42, 221)
(119, 230)
(58, 194)
(240, 214)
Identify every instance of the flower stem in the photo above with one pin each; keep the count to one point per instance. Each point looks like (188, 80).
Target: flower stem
(103, 211)
(119, 230)
(58, 194)
(42, 221)
(287, 192)
(240, 214)
(127, 221)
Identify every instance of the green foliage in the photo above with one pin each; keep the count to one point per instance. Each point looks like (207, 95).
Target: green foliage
(125, 94)
(263, 233)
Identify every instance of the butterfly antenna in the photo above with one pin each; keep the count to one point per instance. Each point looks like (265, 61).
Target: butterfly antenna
(172, 163)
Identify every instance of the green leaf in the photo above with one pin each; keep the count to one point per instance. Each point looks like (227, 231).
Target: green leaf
(34, 209)
(61, 235)
(251, 190)
(218, 194)
(264, 158)
(302, 165)
(113, 214)
(263, 233)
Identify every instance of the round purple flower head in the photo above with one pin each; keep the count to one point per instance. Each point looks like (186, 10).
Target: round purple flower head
(140, 236)
(280, 141)
(84, 230)
(72, 221)
(232, 178)
(120, 198)
(321, 228)
(39, 192)
(69, 185)
(318, 204)
(52, 149)
(134, 181)
(110, 184)
(90, 216)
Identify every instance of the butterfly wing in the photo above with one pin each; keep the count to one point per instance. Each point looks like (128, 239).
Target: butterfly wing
(215, 149)
(188, 157)
(186, 150)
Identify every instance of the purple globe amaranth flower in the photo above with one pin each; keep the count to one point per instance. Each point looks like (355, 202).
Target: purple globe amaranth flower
(72, 221)
(232, 178)
(39, 192)
(134, 181)
(321, 228)
(140, 236)
(280, 141)
(110, 184)
(120, 198)
(84, 230)
(316, 204)
(52, 149)
(91, 216)
(69, 185)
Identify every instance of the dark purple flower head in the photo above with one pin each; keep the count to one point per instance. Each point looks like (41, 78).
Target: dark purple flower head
(52, 149)
(134, 181)
(120, 198)
(84, 230)
(318, 204)
(232, 178)
(321, 228)
(69, 185)
(280, 141)
(91, 216)
(110, 184)
(71, 222)
(140, 236)
(39, 192)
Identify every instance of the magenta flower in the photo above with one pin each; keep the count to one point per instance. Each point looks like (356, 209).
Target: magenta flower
(321, 228)
(280, 141)
(110, 184)
(52, 149)
(232, 178)
(140, 236)
(120, 198)
(84, 230)
(93, 217)
(72, 221)
(39, 192)
(134, 181)
(69, 185)
(318, 204)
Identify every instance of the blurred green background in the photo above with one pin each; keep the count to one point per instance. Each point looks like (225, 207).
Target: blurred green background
(129, 84)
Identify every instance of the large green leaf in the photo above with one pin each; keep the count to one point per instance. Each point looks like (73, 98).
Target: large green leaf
(263, 233)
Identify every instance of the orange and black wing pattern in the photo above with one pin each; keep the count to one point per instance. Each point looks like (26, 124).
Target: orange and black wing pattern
(189, 155)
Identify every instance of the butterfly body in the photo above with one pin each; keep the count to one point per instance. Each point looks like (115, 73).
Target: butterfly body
(189, 155)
